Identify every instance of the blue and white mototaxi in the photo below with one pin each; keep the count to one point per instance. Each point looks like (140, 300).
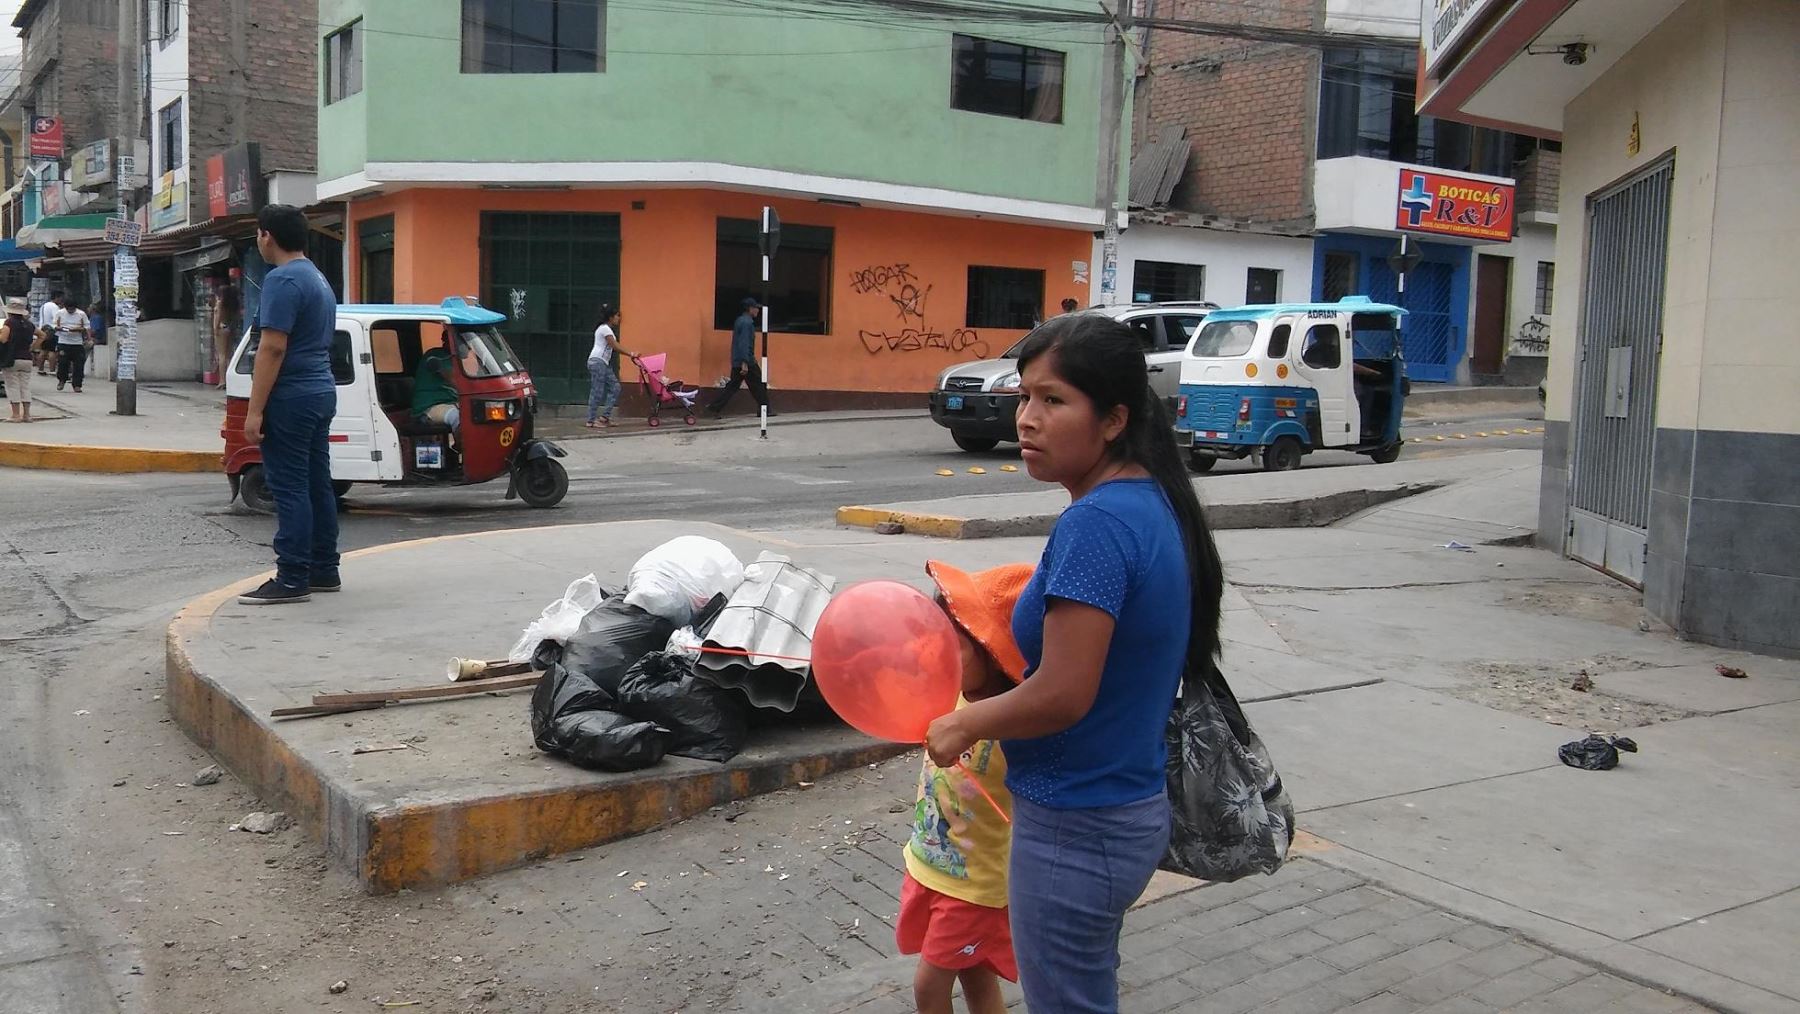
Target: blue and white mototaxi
(1283, 380)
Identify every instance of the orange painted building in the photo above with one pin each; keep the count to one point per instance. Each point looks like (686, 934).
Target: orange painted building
(889, 289)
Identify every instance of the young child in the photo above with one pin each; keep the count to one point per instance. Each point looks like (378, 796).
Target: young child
(953, 898)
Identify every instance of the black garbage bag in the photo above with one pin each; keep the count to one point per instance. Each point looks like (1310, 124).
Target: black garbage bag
(605, 740)
(562, 692)
(610, 638)
(705, 721)
(1595, 753)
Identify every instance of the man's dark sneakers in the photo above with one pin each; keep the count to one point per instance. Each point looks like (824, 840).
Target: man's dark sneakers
(274, 593)
(326, 581)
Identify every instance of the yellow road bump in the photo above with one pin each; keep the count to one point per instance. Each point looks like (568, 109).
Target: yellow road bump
(1481, 434)
(977, 470)
(1521, 432)
(1440, 436)
(1540, 429)
(945, 472)
(1459, 436)
(1009, 468)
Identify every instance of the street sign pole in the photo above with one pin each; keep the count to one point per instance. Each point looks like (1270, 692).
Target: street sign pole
(125, 293)
(769, 240)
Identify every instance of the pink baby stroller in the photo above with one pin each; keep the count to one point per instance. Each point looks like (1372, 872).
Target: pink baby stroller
(661, 391)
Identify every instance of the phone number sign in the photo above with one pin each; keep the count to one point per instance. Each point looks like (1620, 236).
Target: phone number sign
(1448, 204)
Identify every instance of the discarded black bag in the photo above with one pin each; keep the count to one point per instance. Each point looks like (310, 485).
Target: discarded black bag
(1595, 753)
(605, 740)
(1231, 817)
(610, 638)
(561, 692)
(705, 721)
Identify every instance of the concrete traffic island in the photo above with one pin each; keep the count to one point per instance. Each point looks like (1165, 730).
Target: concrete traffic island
(468, 794)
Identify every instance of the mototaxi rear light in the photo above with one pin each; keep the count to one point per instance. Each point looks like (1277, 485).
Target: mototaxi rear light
(1181, 407)
(1244, 410)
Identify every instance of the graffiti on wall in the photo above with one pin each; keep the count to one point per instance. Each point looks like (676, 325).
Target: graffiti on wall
(907, 295)
(1533, 336)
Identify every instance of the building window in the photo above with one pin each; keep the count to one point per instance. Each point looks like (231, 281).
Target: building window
(343, 62)
(1262, 285)
(1166, 282)
(533, 36)
(1005, 79)
(375, 245)
(1005, 297)
(170, 136)
(168, 21)
(1340, 276)
(799, 279)
(1366, 107)
(1546, 289)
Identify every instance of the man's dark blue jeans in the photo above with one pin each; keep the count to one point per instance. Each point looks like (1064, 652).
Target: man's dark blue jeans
(296, 453)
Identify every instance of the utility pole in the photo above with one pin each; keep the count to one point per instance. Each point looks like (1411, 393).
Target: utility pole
(1112, 115)
(769, 241)
(125, 266)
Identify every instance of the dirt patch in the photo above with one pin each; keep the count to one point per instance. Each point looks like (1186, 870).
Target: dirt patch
(1614, 605)
(1546, 693)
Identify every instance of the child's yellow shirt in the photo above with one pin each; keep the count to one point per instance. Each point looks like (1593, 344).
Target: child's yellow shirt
(960, 847)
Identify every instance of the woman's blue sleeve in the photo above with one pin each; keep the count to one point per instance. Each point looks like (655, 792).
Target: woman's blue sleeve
(1090, 559)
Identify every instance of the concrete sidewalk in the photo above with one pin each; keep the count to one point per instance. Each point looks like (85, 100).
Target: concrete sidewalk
(176, 429)
(1307, 497)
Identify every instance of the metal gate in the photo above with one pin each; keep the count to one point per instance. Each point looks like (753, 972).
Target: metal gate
(1428, 333)
(1615, 393)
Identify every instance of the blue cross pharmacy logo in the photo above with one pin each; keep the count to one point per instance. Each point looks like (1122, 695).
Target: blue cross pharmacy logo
(1415, 200)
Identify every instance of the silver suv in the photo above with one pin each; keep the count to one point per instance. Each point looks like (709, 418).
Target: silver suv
(976, 401)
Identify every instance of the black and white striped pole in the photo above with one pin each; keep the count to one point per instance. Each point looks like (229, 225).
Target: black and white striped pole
(769, 240)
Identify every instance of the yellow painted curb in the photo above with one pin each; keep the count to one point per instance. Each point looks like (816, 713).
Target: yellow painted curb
(937, 525)
(82, 458)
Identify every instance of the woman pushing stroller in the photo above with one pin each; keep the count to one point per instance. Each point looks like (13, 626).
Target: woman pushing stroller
(603, 368)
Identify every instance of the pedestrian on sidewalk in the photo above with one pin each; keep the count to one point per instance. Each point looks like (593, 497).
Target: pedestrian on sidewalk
(16, 338)
(292, 400)
(1125, 597)
(743, 362)
(46, 327)
(73, 340)
(953, 894)
(603, 368)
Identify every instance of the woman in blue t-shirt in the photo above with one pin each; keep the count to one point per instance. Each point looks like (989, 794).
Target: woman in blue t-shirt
(1125, 597)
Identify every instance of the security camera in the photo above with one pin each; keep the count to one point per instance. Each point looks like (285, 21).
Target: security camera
(1575, 53)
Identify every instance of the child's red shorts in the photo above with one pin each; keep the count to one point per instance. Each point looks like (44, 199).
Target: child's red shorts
(952, 933)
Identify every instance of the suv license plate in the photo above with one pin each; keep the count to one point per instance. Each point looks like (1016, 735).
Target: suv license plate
(953, 403)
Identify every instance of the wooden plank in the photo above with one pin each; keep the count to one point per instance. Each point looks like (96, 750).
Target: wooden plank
(312, 711)
(426, 693)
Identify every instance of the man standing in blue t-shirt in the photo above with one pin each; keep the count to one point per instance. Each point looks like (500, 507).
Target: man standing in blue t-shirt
(292, 400)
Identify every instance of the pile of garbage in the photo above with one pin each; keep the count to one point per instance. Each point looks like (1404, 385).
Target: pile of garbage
(676, 663)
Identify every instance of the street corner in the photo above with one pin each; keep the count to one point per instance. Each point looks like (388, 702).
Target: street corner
(896, 522)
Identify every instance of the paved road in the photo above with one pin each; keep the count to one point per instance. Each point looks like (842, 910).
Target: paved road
(92, 566)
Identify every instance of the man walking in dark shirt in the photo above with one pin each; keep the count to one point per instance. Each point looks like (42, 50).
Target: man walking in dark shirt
(292, 400)
(743, 361)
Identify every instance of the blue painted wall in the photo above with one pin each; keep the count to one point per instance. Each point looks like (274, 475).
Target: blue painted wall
(1436, 333)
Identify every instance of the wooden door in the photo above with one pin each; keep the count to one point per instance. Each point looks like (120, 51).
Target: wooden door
(1493, 290)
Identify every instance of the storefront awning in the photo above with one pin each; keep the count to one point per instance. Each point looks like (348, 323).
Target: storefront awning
(55, 230)
(11, 252)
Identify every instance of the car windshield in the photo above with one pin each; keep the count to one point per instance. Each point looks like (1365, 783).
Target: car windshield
(1223, 339)
(484, 353)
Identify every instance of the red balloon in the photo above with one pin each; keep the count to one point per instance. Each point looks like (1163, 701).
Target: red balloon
(887, 660)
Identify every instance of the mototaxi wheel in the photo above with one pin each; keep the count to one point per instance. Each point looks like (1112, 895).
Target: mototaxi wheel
(253, 490)
(1199, 462)
(1387, 455)
(1283, 455)
(542, 482)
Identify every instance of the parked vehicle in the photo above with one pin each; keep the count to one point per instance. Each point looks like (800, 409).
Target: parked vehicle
(375, 436)
(976, 401)
(1287, 379)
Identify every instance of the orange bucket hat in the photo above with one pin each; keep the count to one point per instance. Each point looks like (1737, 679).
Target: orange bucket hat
(982, 605)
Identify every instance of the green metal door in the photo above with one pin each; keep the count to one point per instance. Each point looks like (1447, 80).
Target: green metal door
(549, 273)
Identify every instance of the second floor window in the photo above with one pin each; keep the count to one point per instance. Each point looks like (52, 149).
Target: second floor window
(1004, 79)
(170, 136)
(533, 36)
(343, 62)
(1366, 107)
(168, 21)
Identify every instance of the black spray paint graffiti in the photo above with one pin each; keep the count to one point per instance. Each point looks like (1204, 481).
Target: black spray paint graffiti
(1533, 336)
(910, 339)
(900, 286)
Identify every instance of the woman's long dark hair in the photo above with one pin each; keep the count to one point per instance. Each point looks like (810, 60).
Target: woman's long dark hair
(1101, 358)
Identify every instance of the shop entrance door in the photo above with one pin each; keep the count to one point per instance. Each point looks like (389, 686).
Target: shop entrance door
(549, 272)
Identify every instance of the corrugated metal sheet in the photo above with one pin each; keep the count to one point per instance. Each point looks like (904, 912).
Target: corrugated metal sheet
(774, 612)
(1157, 168)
